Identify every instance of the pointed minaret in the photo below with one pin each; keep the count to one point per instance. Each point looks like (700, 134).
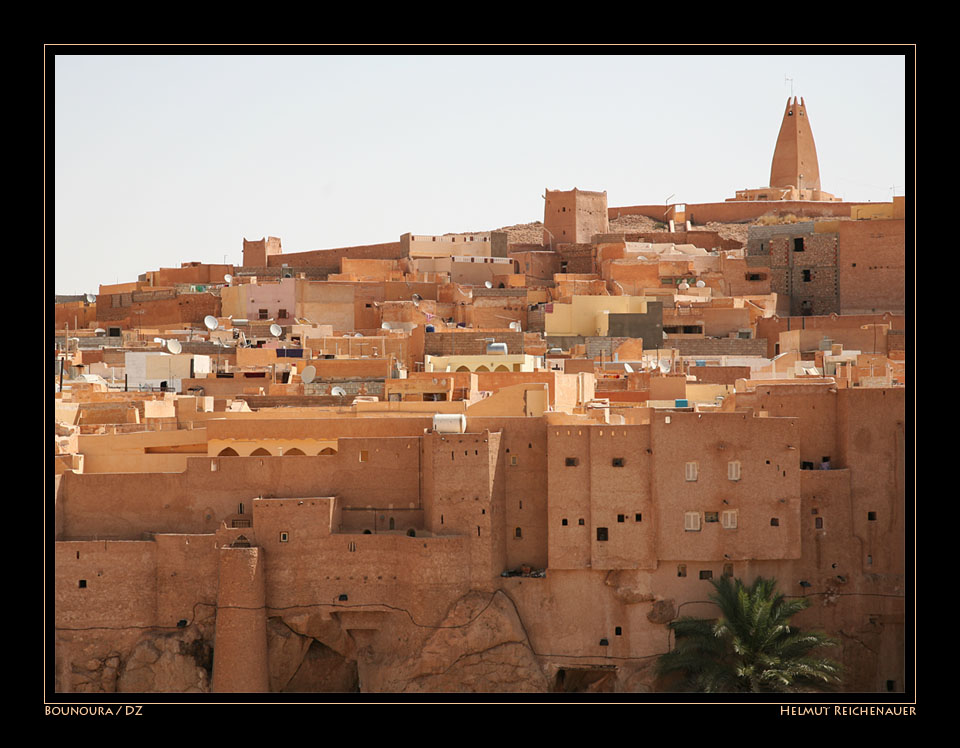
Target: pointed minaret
(795, 157)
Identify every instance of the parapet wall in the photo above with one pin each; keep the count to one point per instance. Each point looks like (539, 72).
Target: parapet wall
(733, 212)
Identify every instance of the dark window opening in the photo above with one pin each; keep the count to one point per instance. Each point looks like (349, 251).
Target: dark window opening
(774, 522)
(617, 462)
(411, 533)
(580, 521)
(681, 570)
(871, 516)
(638, 517)
(711, 517)
(572, 462)
(619, 631)
(805, 465)
(83, 583)
(563, 522)
(798, 244)
(621, 518)
(517, 533)
(604, 643)
(602, 533)
(818, 523)
(806, 276)
(342, 598)
(706, 574)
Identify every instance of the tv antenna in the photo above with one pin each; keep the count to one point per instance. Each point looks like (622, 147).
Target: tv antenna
(785, 79)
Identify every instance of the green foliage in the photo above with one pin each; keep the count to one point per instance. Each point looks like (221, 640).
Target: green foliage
(750, 648)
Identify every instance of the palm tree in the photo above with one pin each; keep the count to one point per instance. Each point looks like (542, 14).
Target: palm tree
(751, 647)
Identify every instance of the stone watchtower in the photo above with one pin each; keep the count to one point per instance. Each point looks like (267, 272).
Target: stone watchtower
(257, 252)
(574, 216)
(795, 157)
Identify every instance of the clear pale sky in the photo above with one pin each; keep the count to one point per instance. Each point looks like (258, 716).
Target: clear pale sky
(165, 159)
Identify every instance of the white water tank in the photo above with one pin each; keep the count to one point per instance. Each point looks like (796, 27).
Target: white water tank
(450, 423)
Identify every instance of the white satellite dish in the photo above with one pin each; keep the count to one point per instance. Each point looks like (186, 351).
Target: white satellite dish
(515, 326)
(91, 298)
(99, 331)
(701, 284)
(488, 284)
(228, 278)
(276, 330)
(385, 326)
(309, 374)
(684, 286)
(174, 346)
(357, 335)
(417, 298)
(210, 322)
(665, 366)
(338, 391)
(627, 368)
(159, 340)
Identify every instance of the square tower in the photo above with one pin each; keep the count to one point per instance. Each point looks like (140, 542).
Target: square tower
(257, 252)
(574, 216)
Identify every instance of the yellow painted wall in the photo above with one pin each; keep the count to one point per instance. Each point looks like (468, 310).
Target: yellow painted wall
(582, 316)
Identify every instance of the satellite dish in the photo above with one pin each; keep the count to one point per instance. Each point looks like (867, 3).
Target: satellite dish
(309, 374)
(276, 330)
(228, 278)
(701, 284)
(210, 322)
(99, 331)
(174, 346)
(665, 366)
(515, 326)
(159, 340)
(385, 326)
(417, 298)
(684, 286)
(627, 368)
(488, 284)
(338, 391)
(91, 298)
(357, 335)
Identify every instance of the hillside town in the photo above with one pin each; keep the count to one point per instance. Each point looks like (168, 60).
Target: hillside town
(492, 461)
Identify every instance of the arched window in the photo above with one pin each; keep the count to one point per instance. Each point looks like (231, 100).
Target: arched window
(228, 452)
(294, 451)
(261, 452)
(328, 451)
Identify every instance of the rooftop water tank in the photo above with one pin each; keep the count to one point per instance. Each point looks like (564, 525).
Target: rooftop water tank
(681, 404)
(449, 423)
(497, 348)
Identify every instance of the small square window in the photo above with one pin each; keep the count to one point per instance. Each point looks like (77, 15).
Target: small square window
(706, 574)
(638, 517)
(711, 517)
(618, 631)
(617, 462)
(284, 537)
(728, 519)
(774, 522)
(83, 583)
(563, 522)
(871, 516)
(621, 518)
(513, 460)
(572, 461)
(818, 523)
(691, 521)
(681, 570)
(602, 533)
(580, 521)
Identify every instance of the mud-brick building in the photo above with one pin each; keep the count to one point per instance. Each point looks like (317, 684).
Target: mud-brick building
(485, 553)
